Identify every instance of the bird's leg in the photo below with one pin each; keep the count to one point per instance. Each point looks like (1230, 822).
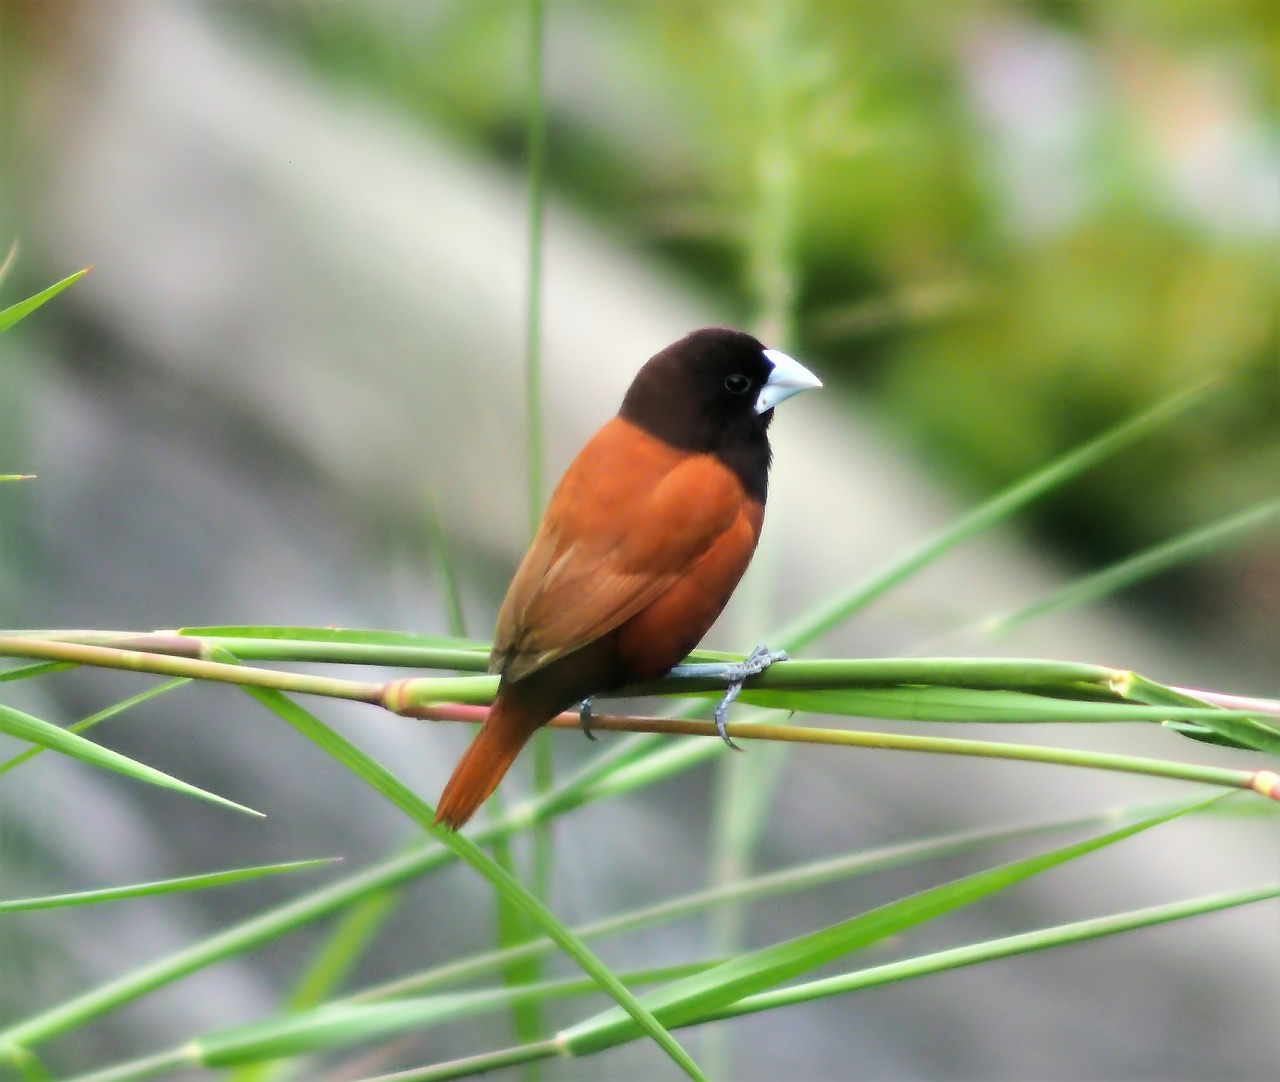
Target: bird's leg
(735, 674)
(584, 719)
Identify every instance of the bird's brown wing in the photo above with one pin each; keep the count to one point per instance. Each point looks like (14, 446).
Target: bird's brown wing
(629, 519)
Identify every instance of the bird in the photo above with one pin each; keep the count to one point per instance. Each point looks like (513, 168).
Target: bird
(643, 541)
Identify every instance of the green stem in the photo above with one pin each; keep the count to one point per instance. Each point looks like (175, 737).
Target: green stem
(536, 140)
(528, 1019)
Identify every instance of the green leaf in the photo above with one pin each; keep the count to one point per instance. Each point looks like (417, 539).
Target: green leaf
(162, 886)
(36, 731)
(15, 312)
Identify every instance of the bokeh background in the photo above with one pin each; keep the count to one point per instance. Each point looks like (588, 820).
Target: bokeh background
(994, 228)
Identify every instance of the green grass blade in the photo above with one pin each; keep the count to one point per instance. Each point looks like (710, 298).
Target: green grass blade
(256, 931)
(26, 672)
(475, 1066)
(1152, 561)
(388, 785)
(831, 614)
(510, 922)
(968, 705)
(203, 881)
(333, 963)
(36, 731)
(96, 718)
(528, 1017)
(990, 950)
(775, 884)
(26, 1064)
(1250, 730)
(328, 966)
(340, 1025)
(770, 966)
(15, 312)
(454, 614)
(10, 260)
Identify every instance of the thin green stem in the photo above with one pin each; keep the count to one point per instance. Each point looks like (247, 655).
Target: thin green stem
(448, 576)
(984, 749)
(768, 53)
(528, 1018)
(536, 141)
(175, 666)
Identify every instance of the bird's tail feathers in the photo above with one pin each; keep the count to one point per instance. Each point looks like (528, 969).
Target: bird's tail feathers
(483, 765)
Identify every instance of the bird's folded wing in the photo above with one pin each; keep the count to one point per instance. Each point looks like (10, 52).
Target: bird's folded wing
(611, 543)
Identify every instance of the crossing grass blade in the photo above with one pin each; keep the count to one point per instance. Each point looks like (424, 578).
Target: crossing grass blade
(388, 785)
(769, 885)
(990, 950)
(1152, 561)
(26, 672)
(204, 881)
(37, 731)
(763, 969)
(96, 718)
(829, 615)
(342, 1025)
(16, 312)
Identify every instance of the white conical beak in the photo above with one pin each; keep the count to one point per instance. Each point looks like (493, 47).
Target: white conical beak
(788, 377)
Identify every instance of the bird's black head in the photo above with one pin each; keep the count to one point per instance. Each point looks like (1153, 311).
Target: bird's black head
(713, 392)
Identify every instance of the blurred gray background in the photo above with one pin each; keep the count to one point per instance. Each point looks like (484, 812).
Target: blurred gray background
(1012, 225)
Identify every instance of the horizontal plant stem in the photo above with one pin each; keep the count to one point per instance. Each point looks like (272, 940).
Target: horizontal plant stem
(269, 648)
(408, 695)
(169, 665)
(1264, 782)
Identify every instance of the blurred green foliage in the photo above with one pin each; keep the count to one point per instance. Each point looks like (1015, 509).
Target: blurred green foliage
(1012, 223)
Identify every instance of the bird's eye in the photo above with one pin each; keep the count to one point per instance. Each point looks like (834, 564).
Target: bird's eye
(737, 384)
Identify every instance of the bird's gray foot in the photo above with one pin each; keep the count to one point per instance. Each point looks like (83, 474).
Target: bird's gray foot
(756, 662)
(584, 719)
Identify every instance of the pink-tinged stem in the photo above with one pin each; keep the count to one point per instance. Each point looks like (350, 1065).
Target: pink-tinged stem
(1233, 702)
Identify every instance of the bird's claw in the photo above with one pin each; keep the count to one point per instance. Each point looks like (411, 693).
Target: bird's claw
(584, 719)
(756, 662)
